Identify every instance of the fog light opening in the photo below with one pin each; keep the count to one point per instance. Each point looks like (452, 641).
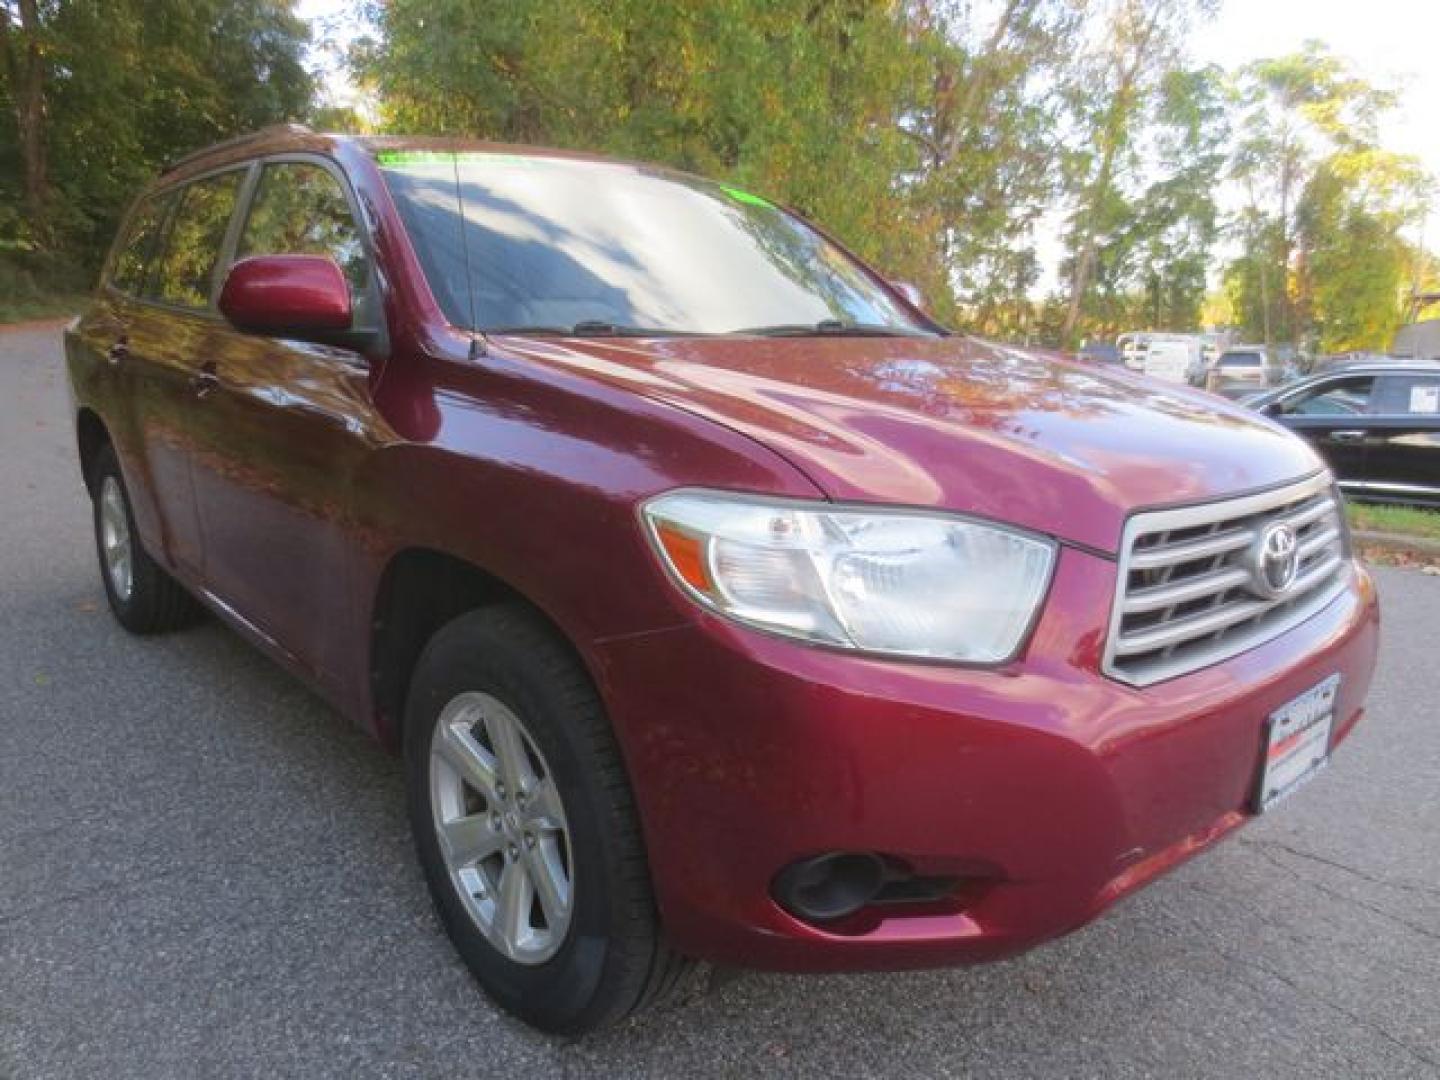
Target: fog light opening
(829, 887)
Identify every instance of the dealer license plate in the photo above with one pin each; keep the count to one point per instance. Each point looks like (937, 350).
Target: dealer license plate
(1298, 742)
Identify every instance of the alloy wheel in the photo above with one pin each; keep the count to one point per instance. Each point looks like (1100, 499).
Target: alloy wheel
(501, 827)
(115, 539)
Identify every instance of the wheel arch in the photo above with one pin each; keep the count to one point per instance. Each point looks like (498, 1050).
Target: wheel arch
(91, 436)
(419, 590)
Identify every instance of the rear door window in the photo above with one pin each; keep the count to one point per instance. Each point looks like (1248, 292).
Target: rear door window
(137, 249)
(186, 272)
(1408, 395)
(300, 209)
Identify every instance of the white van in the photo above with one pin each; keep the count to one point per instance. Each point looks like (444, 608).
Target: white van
(1172, 359)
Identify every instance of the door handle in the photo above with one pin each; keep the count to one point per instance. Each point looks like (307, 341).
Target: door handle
(1347, 436)
(118, 351)
(205, 382)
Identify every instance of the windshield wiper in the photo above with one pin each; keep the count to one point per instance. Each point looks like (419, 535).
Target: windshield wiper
(828, 328)
(590, 328)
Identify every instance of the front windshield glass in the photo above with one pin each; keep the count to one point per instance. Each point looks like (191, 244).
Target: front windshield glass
(536, 244)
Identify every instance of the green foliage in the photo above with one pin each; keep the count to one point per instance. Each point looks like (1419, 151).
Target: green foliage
(789, 97)
(1324, 259)
(983, 113)
(1140, 178)
(132, 84)
(936, 137)
(1399, 520)
(1353, 260)
(36, 285)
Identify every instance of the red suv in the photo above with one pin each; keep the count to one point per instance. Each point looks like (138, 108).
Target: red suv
(722, 605)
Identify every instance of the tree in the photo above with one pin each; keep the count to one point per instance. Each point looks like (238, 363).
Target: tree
(1177, 221)
(22, 50)
(987, 126)
(1113, 86)
(1352, 283)
(795, 98)
(1150, 266)
(175, 75)
(1323, 257)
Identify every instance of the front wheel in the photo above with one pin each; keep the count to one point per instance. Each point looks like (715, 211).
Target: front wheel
(525, 826)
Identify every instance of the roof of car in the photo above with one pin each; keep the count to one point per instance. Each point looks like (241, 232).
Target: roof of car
(1426, 366)
(297, 138)
(1369, 367)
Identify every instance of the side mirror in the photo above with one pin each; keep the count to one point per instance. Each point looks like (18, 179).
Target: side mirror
(912, 294)
(300, 296)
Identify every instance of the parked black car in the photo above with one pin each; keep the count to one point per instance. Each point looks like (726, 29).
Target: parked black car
(1377, 424)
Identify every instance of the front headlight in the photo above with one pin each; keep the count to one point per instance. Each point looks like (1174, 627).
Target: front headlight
(911, 584)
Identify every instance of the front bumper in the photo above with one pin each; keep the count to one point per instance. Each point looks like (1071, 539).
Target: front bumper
(1047, 789)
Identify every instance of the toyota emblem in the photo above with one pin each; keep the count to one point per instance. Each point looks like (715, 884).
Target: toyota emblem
(1275, 561)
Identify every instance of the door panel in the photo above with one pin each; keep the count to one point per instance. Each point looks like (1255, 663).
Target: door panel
(288, 426)
(1341, 441)
(286, 430)
(1403, 446)
(161, 329)
(1333, 414)
(1403, 460)
(164, 348)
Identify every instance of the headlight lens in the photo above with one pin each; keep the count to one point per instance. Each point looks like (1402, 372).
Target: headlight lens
(910, 584)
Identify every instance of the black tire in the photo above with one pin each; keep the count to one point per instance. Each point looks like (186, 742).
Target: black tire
(156, 602)
(613, 959)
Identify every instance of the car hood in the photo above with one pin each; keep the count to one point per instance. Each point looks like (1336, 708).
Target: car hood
(956, 423)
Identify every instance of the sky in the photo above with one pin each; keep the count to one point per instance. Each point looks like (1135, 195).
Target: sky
(1393, 43)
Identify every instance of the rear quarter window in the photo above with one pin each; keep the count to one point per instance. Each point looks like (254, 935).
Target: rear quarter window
(186, 270)
(137, 247)
(1408, 395)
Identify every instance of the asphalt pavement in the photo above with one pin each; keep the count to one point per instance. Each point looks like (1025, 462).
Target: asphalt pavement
(205, 872)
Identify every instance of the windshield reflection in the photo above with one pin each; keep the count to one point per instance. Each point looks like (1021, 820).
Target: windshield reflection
(546, 244)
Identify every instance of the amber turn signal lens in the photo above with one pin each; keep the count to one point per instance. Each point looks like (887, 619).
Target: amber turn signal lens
(687, 556)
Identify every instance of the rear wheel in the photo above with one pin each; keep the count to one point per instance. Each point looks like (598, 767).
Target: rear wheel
(144, 598)
(525, 826)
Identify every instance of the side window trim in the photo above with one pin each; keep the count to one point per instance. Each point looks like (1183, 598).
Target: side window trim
(238, 217)
(175, 193)
(166, 200)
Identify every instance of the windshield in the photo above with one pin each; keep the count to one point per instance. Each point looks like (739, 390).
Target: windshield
(556, 245)
(1241, 359)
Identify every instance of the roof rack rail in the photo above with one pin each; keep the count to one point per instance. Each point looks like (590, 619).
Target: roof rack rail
(238, 140)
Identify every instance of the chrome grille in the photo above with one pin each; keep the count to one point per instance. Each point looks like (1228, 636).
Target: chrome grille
(1188, 595)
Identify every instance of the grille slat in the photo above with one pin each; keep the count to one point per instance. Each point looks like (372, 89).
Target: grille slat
(1320, 508)
(1188, 595)
(1195, 588)
(1318, 542)
(1217, 544)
